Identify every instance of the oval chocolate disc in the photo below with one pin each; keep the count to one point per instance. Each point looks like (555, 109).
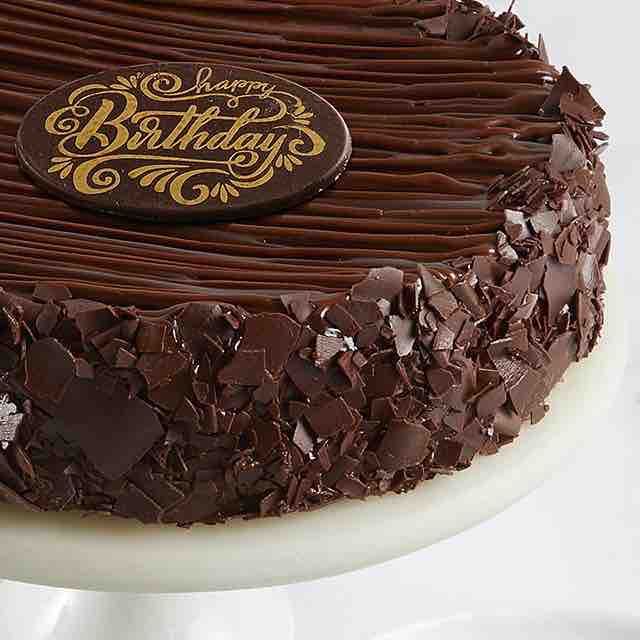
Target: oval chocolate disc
(173, 142)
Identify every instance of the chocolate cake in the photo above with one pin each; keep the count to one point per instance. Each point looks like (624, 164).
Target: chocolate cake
(178, 347)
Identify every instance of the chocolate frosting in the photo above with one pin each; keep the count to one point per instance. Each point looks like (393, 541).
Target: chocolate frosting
(408, 318)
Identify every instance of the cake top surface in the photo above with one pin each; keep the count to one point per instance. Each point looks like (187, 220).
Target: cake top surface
(441, 100)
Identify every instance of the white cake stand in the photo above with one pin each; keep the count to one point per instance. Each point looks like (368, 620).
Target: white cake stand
(126, 560)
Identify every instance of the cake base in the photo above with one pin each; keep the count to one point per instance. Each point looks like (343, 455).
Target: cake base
(67, 550)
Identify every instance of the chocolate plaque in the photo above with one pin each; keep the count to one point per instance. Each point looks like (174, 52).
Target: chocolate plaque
(175, 142)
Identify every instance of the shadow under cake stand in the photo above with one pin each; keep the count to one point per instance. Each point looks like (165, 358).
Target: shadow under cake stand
(214, 572)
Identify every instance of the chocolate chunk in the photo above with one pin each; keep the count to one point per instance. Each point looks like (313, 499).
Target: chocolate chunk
(570, 97)
(352, 487)
(246, 368)
(444, 339)
(515, 225)
(565, 155)
(403, 334)
(124, 359)
(117, 435)
(474, 436)
(545, 221)
(489, 270)
(51, 292)
(269, 503)
(440, 380)
(95, 320)
(49, 369)
(299, 304)
(542, 49)
(431, 284)
(268, 390)
(305, 376)
(84, 369)
(436, 27)
(48, 319)
(506, 252)
(159, 369)
(385, 283)
(274, 333)
(339, 317)
(365, 312)
(466, 294)
(133, 502)
(367, 336)
(199, 506)
(460, 26)
(209, 422)
(507, 423)
(350, 364)
(405, 444)
(381, 379)
(444, 303)
(560, 284)
(588, 272)
(447, 454)
(518, 286)
(562, 352)
(268, 437)
(489, 401)
(152, 337)
(187, 413)
(9, 496)
(330, 418)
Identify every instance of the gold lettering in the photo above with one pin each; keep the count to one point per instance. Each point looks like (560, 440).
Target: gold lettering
(100, 120)
(149, 134)
(172, 139)
(226, 141)
(105, 132)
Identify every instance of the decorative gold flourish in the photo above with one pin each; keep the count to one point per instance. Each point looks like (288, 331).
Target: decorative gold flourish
(127, 83)
(257, 129)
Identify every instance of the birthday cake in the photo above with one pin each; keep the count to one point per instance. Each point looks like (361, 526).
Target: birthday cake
(261, 256)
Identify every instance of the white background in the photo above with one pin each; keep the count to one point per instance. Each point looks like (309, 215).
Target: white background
(574, 544)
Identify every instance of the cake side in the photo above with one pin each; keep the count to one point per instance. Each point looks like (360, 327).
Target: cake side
(208, 410)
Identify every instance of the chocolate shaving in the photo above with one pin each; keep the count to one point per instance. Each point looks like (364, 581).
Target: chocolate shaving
(274, 333)
(404, 336)
(330, 418)
(51, 292)
(385, 283)
(246, 368)
(565, 155)
(405, 444)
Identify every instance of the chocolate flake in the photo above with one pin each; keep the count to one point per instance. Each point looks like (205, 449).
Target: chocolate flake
(404, 445)
(246, 368)
(330, 418)
(403, 334)
(51, 292)
(565, 155)
(274, 333)
(385, 283)
(49, 368)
